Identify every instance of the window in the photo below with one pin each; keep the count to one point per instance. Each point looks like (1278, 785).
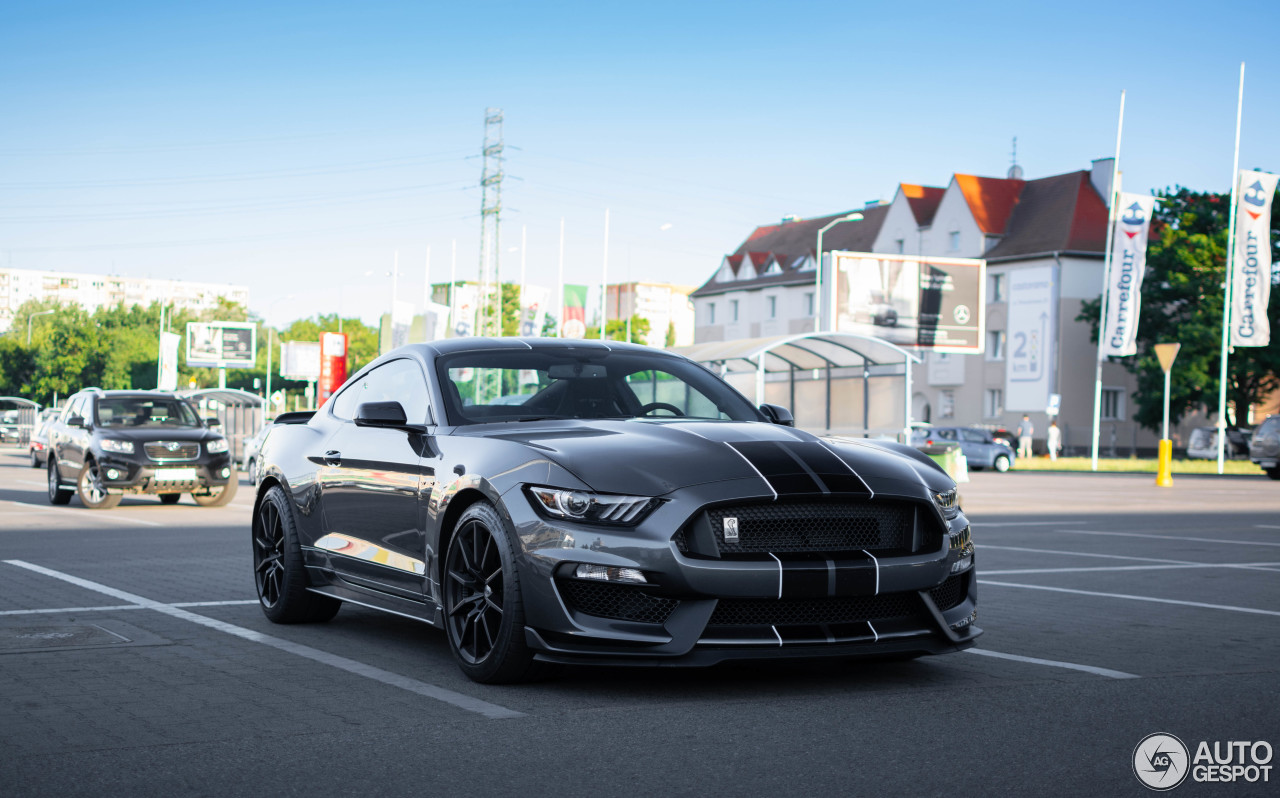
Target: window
(973, 436)
(398, 381)
(997, 288)
(946, 404)
(954, 241)
(993, 405)
(1113, 404)
(808, 304)
(900, 245)
(995, 344)
(773, 307)
(711, 313)
(733, 309)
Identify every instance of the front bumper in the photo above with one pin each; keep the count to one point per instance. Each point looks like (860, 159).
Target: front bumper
(145, 476)
(699, 610)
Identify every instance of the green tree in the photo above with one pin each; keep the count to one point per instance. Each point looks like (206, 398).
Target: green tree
(671, 334)
(1182, 295)
(616, 330)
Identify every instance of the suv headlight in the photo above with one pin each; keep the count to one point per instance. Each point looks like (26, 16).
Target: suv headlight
(216, 446)
(119, 447)
(595, 508)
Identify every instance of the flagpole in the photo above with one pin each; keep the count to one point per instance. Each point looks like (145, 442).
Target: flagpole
(1112, 202)
(560, 285)
(453, 288)
(524, 243)
(1226, 292)
(604, 275)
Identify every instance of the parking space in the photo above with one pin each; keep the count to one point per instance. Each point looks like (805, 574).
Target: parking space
(130, 641)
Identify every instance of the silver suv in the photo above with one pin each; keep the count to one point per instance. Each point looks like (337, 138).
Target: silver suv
(1264, 447)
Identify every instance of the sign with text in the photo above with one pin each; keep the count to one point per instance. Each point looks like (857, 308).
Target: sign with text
(1251, 263)
(300, 360)
(931, 303)
(333, 364)
(1029, 357)
(222, 344)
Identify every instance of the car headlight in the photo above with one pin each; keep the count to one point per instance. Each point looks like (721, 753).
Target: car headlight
(216, 446)
(119, 447)
(948, 502)
(595, 508)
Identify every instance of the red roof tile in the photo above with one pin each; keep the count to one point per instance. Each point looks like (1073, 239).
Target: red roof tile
(991, 200)
(923, 201)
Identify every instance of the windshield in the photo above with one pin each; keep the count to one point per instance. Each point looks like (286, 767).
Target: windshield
(145, 411)
(526, 385)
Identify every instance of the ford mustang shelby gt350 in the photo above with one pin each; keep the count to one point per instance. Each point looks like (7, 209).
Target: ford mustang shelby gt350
(569, 501)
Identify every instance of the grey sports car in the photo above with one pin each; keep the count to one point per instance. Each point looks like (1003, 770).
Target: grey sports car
(568, 501)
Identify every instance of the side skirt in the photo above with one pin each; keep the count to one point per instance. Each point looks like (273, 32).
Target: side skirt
(405, 608)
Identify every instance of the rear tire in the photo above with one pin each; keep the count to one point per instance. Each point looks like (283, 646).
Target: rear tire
(57, 494)
(278, 571)
(220, 496)
(1274, 473)
(170, 498)
(1001, 463)
(253, 471)
(92, 494)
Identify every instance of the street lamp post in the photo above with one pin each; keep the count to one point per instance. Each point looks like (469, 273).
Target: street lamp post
(1164, 473)
(271, 345)
(32, 316)
(817, 284)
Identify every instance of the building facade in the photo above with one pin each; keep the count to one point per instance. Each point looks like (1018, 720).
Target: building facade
(93, 291)
(665, 306)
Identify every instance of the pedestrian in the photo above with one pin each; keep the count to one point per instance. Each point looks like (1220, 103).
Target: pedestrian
(1025, 431)
(1055, 440)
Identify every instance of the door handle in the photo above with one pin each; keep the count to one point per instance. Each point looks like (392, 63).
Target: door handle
(333, 458)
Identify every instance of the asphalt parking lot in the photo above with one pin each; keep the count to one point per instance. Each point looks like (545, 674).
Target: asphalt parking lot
(134, 661)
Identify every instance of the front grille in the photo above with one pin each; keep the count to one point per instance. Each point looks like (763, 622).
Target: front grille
(813, 527)
(950, 593)
(169, 451)
(620, 602)
(795, 612)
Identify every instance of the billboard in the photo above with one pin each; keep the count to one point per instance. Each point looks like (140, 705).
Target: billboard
(222, 344)
(1029, 357)
(300, 360)
(932, 303)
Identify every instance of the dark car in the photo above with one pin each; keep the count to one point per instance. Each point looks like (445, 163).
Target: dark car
(109, 443)
(981, 449)
(1264, 447)
(252, 445)
(38, 446)
(562, 501)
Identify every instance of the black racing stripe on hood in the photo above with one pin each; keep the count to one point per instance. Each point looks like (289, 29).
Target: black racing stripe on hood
(800, 468)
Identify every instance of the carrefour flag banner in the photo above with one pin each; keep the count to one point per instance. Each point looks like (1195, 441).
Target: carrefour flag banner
(1128, 263)
(574, 323)
(1251, 262)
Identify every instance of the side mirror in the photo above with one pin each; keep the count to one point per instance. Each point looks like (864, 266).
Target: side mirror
(381, 414)
(777, 414)
(212, 422)
(77, 421)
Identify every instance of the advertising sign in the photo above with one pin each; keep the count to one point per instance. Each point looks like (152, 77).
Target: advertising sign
(221, 344)
(464, 310)
(932, 303)
(300, 360)
(333, 364)
(169, 361)
(533, 310)
(1128, 265)
(1251, 262)
(1028, 360)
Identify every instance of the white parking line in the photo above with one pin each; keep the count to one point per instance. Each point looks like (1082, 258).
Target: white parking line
(985, 524)
(32, 482)
(1257, 566)
(87, 514)
(316, 655)
(1169, 537)
(1201, 605)
(1266, 526)
(1053, 663)
(115, 607)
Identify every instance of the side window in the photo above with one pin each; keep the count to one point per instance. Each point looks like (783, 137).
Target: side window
(945, 434)
(398, 381)
(972, 436)
(660, 387)
(74, 408)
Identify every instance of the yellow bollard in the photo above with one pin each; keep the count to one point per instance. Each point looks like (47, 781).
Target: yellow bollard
(1164, 474)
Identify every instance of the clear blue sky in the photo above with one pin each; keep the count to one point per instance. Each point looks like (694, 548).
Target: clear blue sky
(295, 147)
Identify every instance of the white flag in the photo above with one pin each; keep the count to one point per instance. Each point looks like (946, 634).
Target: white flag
(533, 310)
(464, 310)
(169, 361)
(1128, 264)
(1251, 264)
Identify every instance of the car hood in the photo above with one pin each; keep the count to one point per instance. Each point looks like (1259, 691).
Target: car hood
(656, 457)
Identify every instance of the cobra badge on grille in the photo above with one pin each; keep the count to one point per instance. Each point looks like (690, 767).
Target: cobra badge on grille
(731, 530)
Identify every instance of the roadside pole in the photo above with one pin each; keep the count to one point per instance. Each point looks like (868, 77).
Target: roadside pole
(1164, 473)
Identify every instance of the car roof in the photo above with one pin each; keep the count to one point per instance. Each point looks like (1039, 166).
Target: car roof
(481, 344)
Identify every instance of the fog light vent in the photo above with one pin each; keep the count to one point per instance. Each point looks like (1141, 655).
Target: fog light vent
(602, 573)
(112, 473)
(226, 472)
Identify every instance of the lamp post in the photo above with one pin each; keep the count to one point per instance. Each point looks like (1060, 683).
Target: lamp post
(817, 283)
(271, 346)
(32, 316)
(1164, 474)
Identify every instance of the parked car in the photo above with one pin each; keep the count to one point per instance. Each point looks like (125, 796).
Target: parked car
(979, 447)
(633, 508)
(1264, 447)
(38, 446)
(252, 445)
(9, 431)
(1203, 443)
(109, 443)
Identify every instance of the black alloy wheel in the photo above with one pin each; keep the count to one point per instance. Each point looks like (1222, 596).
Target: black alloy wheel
(483, 610)
(278, 570)
(92, 492)
(57, 494)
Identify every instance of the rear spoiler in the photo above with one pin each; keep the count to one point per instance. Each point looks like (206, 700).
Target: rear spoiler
(299, 417)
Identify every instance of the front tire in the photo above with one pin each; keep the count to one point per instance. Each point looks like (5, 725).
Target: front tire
(57, 494)
(220, 496)
(278, 572)
(1002, 463)
(483, 606)
(35, 461)
(92, 494)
